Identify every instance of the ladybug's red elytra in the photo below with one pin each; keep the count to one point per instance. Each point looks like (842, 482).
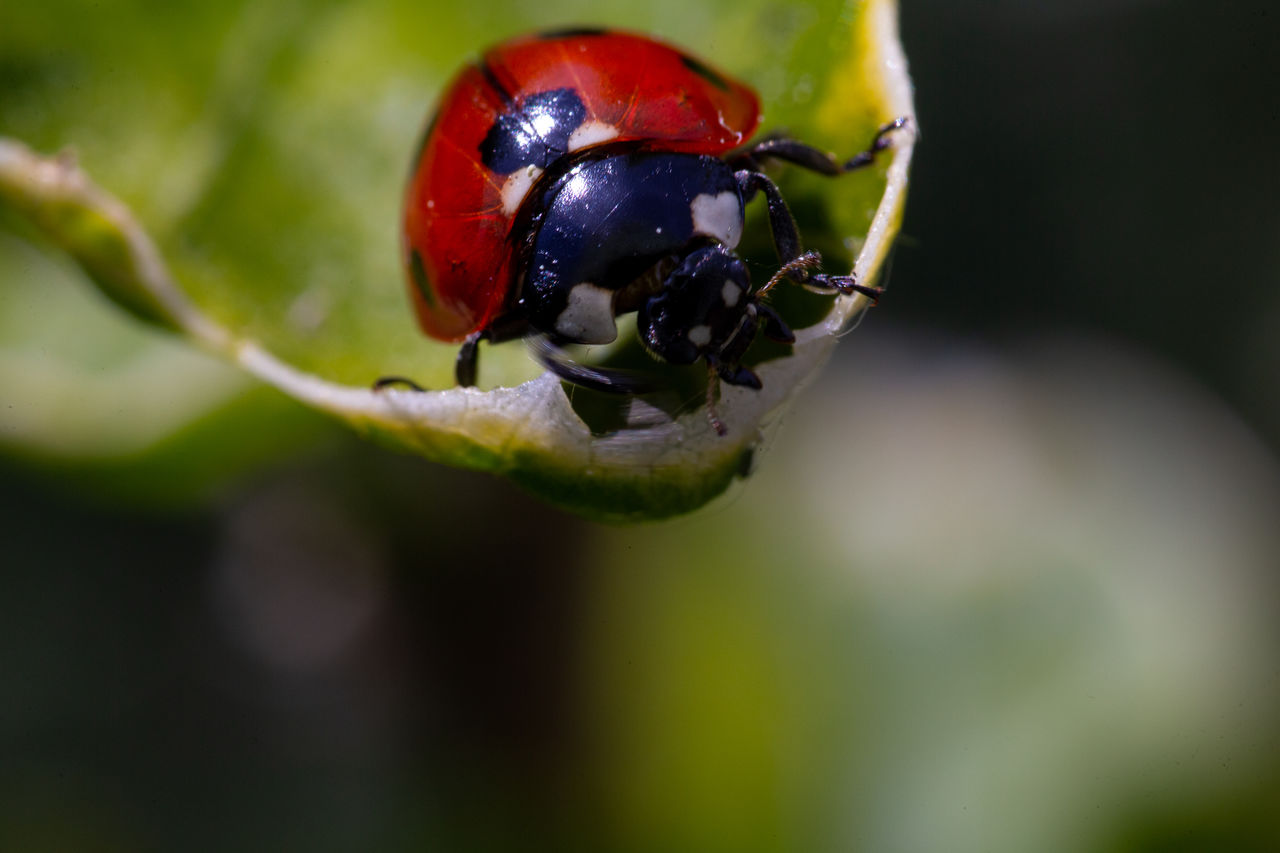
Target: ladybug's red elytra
(571, 177)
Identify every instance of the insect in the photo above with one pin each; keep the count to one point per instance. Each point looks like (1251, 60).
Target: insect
(572, 177)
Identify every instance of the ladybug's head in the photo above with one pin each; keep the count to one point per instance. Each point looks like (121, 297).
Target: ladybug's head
(706, 309)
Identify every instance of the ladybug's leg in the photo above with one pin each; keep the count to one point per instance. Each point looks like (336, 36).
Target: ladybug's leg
(774, 327)
(554, 358)
(797, 265)
(388, 381)
(464, 368)
(786, 237)
(504, 327)
(807, 157)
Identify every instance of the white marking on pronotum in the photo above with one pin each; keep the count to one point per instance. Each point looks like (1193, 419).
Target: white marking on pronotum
(588, 318)
(730, 293)
(591, 133)
(516, 187)
(700, 335)
(718, 216)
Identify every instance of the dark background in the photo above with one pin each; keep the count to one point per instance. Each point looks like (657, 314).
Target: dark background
(1103, 167)
(1099, 170)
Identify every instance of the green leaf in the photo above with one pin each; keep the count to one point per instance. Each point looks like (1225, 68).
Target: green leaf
(256, 153)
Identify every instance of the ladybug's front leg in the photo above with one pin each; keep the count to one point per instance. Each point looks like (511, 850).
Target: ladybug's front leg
(797, 265)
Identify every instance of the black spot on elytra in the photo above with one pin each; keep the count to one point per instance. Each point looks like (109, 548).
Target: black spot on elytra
(421, 147)
(498, 86)
(533, 133)
(697, 67)
(418, 274)
(572, 32)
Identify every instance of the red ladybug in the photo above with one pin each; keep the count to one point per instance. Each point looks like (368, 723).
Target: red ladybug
(573, 176)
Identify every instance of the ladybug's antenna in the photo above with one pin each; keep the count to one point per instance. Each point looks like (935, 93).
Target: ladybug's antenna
(713, 387)
(807, 261)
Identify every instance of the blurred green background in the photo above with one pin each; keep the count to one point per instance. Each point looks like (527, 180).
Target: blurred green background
(1006, 578)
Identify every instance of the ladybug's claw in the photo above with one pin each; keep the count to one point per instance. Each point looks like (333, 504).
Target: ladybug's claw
(847, 285)
(879, 142)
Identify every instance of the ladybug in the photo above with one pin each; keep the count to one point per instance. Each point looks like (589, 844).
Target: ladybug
(574, 176)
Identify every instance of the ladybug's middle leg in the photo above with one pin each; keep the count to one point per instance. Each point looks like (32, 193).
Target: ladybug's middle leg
(807, 157)
(551, 354)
